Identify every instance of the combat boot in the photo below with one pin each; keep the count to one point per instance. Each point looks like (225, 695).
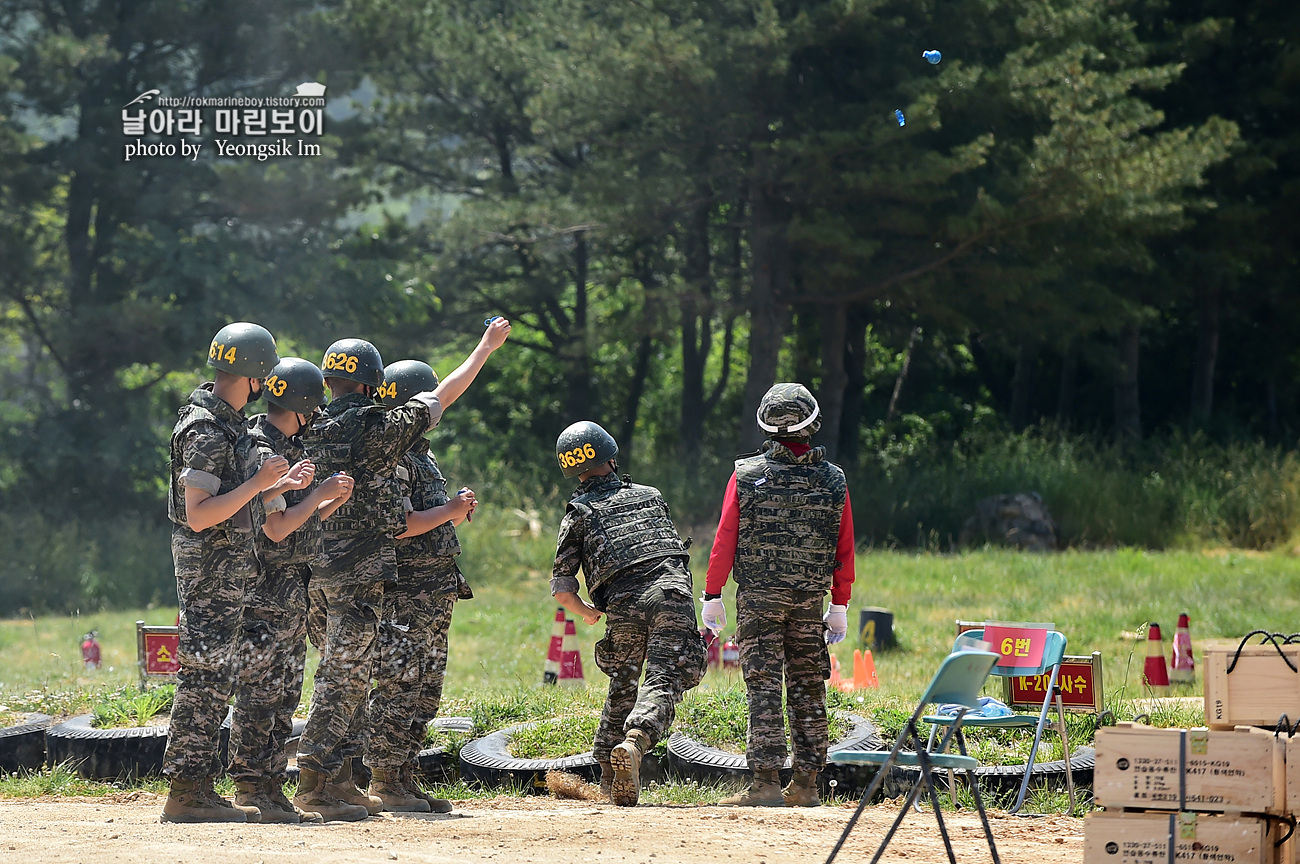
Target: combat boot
(625, 759)
(344, 788)
(436, 805)
(386, 785)
(187, 803)
(802, 791)
(207, 793)
(275, 791)
(765, 791)
(606, 779)
(314, 797)
(250, 793)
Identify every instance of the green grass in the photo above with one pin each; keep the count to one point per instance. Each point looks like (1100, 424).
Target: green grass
(132, 706)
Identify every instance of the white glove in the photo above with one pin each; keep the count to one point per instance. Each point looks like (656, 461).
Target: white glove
(714, 614)
(837, 623)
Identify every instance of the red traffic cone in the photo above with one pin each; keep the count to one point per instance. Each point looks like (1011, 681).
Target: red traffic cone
(570, 659)
(1155, 674)
(1184, 665)
(864, 670)
(551, 674)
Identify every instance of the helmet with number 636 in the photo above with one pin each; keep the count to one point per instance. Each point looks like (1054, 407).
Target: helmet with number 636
(404, 379)
(243, 349)
(295, 385)
(355, 360)
(583, 446)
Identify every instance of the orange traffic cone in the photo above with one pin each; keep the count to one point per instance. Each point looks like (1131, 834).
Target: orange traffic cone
(864, 670)
(552, 672)
(570, 659)
(1183, 668)
(835, 680)
(1155, 674)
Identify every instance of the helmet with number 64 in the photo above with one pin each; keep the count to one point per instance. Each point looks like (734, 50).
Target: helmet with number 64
(583, 446)
(355, 360)
(404, 379)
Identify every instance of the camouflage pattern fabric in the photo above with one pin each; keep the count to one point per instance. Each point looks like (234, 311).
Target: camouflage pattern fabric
(789, 410)
(650, 625)
(316, 609)
(422, 485)
(410, 663)
(272, 654)
(336, 723)
(612, 524)
(790, 509)
(781, 634)
(304, 545)
(213, 568)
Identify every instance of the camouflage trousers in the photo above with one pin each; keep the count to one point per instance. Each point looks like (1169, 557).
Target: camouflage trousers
(336, 722)
(269, 686)
(780, 634)
(648, 625)
(211, 574)
(410, 663)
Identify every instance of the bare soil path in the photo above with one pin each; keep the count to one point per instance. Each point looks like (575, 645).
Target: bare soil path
(506, 830)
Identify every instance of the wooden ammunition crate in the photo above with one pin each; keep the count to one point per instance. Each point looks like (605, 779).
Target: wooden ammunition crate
(1260, 688)
(1143, 838)
(1243, 770)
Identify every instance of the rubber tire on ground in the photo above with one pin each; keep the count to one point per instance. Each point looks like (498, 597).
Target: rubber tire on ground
(434, 764)
(486, 762)
(690, 760)
(116, 754)
(1001, 779)
(22, 746)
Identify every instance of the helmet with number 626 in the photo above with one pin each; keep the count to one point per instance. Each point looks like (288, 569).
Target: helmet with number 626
(243, 349)
(404, 379)
(583, 446)
(295, 385)
(355, 360)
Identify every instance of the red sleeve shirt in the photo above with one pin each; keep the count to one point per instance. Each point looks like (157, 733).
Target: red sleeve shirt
(723, 556)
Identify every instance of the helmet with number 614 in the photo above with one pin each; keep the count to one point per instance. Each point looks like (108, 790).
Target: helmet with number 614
(296, 385)
(404, 379)
(355, 360)
(583, 446)
(243, 349)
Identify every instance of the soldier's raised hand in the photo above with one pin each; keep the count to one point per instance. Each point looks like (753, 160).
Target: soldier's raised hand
(498, 330)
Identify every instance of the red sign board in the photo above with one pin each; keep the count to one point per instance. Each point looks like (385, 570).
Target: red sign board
(160, 653)
(1079, 680)
(1020, 645)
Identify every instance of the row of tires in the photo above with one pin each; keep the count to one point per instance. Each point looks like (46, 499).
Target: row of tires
(486, 761)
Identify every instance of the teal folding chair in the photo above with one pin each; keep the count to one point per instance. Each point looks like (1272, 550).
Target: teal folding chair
(959, 679)
(1053, 653)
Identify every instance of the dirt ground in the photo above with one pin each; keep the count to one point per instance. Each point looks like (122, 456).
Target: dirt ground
(504, 830)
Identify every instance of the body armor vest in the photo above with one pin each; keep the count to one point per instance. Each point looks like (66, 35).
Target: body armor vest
(626, 524)
(376, 502)
(304, 545)
(428, 490)
(790, 509)
(239, 469)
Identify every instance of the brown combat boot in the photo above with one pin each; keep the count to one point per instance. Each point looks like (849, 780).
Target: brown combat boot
(275, 791)
(765, 791)
(209, 794)
(344, 788)
(625, 759)
(314, 797)
(186, 802)
(436, 805)
(253, 794)
(802, 791)
(606, 779)
(386, 785)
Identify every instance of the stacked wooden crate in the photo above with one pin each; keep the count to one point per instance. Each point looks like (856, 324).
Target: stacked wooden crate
(1218, 795)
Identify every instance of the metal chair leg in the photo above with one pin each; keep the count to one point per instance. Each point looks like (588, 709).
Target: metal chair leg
(1065, 748)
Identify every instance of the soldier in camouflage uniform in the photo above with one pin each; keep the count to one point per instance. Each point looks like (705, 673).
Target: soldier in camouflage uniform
(621, 535)
(357, 436)
(786, 533)
(275, 606)
(214, 503)
(411, 658)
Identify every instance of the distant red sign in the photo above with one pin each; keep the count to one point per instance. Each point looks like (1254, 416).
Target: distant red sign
(160, 651)
(1020, 645)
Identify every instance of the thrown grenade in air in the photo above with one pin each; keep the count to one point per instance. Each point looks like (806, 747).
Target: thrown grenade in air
(898, 112)
(932, 57)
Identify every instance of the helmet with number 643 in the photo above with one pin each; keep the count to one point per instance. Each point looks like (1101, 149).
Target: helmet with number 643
(583, 446)
(243, 349)
(355, 360)
(296, 385)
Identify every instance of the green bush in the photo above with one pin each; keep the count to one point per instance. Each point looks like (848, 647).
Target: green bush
(130, 706)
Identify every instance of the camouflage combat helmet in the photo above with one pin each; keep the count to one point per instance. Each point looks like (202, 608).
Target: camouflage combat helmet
(355, 360)
(296, 385)
(404, 379)
(789, 411)
(243, 349)
(584, 446)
